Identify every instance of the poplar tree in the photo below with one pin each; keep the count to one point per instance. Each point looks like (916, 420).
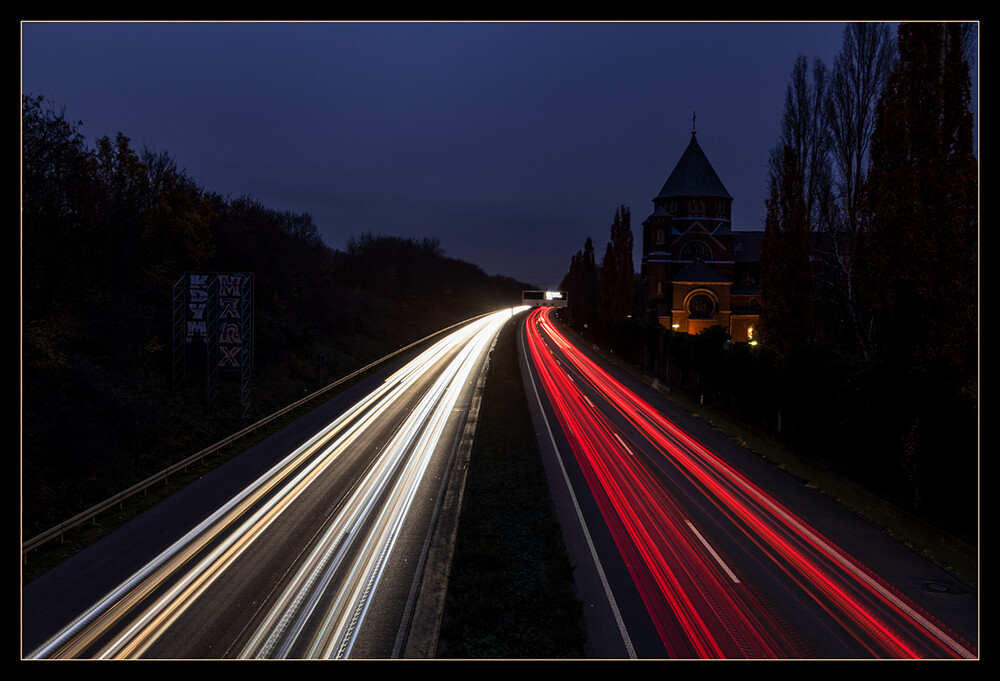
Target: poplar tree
(856, 83)
(617, 272)
(804, 129)
(918, 247)
(581, 284)
(798, 202)
(918, 251)
(786, 274)
(621, 237)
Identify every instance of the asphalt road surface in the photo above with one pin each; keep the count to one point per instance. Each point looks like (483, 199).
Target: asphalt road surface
(309, 545)
(688, 546)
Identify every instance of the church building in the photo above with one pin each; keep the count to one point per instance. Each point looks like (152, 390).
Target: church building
(696, 271)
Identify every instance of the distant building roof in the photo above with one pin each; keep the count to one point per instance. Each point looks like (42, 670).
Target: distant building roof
(746, 245)
(700, 272)
(751, 288)
(693, 176)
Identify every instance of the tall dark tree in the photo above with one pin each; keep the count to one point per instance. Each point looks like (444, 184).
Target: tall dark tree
(803, 129)
(798, 203)
(918, 247)
(57, 206)
(588, 285)
(918, 252)
(623, 245)
(125, 203)
(581, 283)
(570, 283)
(857, 81)
(786, 273)
(178, 230)
(606, 287)
(617, 273)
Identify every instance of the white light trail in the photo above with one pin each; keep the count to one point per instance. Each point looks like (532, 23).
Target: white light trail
(275, 491)
(408, 456)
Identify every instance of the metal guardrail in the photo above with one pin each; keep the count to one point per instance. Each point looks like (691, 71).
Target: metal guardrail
(90, 514)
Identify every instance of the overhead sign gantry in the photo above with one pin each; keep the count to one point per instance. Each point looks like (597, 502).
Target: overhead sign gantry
(545, 298)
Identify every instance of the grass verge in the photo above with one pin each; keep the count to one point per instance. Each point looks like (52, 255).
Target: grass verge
(510, 593)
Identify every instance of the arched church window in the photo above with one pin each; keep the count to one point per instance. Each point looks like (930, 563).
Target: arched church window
(701, 306)
(696, 250)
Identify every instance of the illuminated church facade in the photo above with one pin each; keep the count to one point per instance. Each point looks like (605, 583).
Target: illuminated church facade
(696, 271)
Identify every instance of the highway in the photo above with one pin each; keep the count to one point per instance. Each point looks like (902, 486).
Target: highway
(316, 557)
(685, 552)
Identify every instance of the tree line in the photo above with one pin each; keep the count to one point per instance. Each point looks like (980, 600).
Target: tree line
(106, 232)
(602, 297)
(869, 266)
(868, 354)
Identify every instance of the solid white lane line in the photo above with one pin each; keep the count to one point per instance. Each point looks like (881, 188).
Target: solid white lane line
(583, 524)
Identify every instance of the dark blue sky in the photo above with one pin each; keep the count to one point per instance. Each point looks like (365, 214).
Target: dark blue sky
(511, 143)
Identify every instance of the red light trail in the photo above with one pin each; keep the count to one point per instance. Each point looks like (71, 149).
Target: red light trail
(694, 597)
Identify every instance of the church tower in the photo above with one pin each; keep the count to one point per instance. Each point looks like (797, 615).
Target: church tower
(691, 257)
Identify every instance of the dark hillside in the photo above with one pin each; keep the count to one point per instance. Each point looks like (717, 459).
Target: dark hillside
(106, 233)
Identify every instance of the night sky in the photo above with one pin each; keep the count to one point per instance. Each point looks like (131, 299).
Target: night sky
(509, 142)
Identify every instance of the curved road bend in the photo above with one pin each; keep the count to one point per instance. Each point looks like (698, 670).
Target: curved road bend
(314, 558)
(688, 546)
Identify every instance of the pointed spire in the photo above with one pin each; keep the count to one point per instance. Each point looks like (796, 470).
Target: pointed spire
(693, 175)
